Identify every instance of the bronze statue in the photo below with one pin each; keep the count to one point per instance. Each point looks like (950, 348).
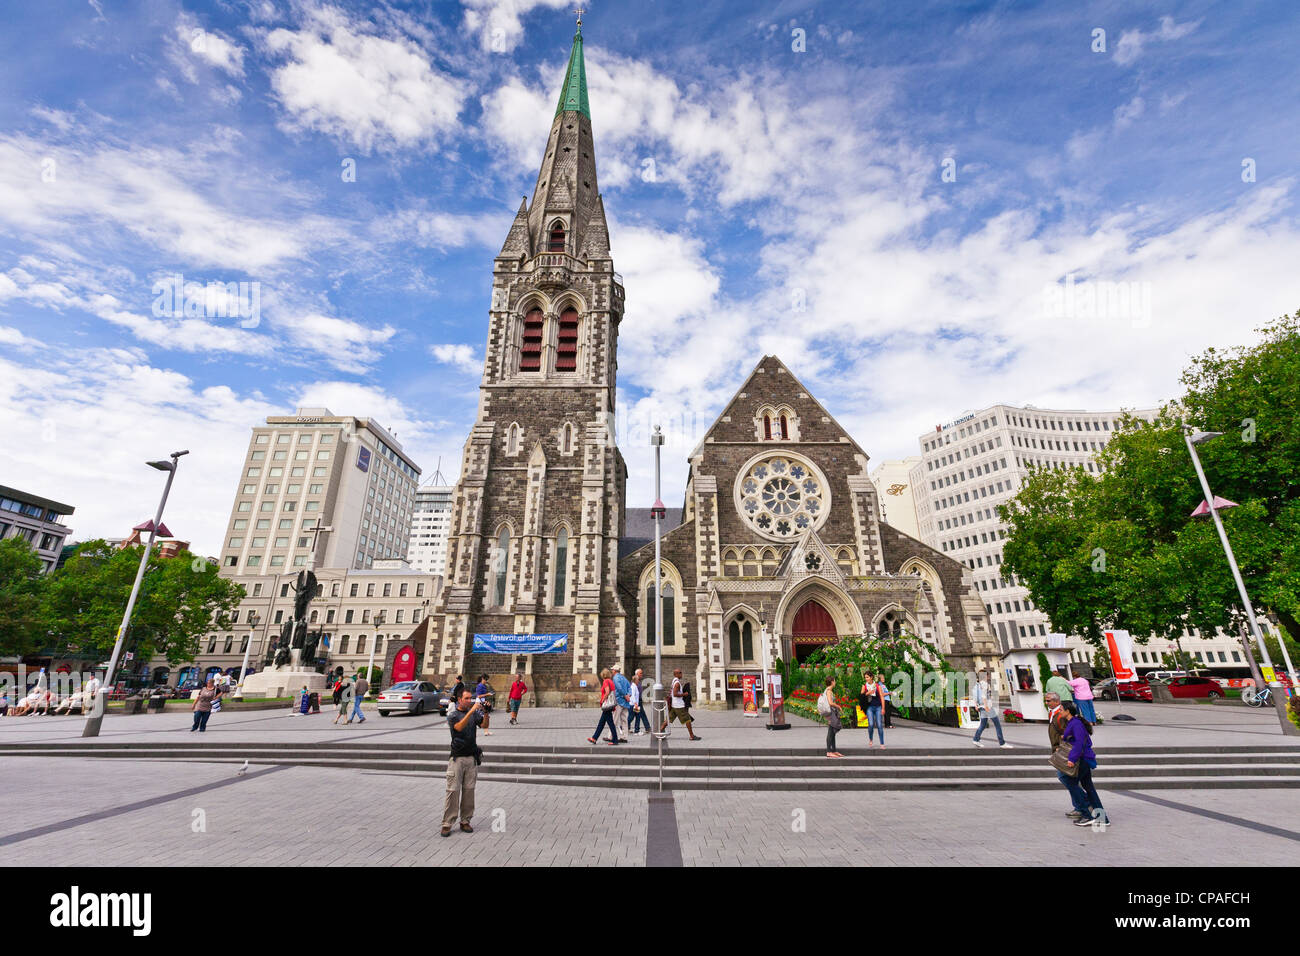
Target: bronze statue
(304, 591)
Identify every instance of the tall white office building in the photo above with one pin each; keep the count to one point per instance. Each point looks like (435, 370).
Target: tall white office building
(431, 526)
(315, 467)
(975, 463)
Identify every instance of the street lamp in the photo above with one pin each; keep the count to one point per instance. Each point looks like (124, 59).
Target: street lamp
(97, 709)
(658, 513)
(1212, 506)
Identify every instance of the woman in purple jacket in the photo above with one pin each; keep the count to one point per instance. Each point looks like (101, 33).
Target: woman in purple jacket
(1078, 734)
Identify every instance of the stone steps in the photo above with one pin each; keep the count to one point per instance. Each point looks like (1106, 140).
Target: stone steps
(638, 767)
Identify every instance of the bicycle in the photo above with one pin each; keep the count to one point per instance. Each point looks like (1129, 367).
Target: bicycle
(1252, 697)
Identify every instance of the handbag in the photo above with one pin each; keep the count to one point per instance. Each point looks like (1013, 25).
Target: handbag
(1060, 759)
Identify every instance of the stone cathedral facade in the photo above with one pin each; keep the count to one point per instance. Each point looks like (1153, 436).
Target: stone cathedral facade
(780, 549)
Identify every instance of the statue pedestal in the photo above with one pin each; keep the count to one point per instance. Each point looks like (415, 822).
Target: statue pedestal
(282, 681)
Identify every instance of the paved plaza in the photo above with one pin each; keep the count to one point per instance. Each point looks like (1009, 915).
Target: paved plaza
(113, 812)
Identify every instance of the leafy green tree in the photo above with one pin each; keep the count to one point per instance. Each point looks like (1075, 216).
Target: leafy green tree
(1178, 661)
(181, 599)
(1044, 669)
(21, 585)
(1120, 550)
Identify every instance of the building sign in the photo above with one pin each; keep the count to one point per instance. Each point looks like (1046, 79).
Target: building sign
(363, 458)
(521, 643)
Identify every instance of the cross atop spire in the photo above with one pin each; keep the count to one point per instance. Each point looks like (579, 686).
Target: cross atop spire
(573, 94)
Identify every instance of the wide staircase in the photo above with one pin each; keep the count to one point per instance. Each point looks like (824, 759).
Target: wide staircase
(638, 765)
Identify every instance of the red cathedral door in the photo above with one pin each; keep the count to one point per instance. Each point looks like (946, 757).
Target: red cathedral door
(404, 664)
(813, 628)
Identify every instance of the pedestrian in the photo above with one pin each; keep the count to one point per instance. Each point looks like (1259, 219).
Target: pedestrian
(1058, 685)
(1083, 699)
(623, 698)
(608, 704)
(362, 686)
(517, 691)
(1078, 734)
(827, 707)
(885, 708)
(483, 691)
(870, 700)
(1057, 720)
(460, 686)
(640, 722)
(344, 701)
(338, 689)
(208, 695)
(4, 704)
(679, 700)
(986, 698)
(462, 762)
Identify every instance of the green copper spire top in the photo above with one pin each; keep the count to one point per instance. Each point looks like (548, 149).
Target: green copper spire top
(573, 94)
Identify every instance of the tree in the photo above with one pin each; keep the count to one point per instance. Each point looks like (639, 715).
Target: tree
(21, 586)
(1178, 661)
(181, 599)
(1120, 550)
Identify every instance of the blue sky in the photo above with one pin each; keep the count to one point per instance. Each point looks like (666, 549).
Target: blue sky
(762, 199)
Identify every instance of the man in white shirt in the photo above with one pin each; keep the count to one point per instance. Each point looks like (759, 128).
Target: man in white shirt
(986, 698)
(680, 708)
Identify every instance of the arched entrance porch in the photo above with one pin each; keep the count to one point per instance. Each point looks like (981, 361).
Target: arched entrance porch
(812, 629)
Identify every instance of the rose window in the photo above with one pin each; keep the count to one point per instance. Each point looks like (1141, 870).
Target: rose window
(781, 496)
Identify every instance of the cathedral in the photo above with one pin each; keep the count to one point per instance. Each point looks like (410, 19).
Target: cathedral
(779, 550)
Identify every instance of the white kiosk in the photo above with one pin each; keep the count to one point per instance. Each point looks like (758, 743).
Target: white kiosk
(1023, 682)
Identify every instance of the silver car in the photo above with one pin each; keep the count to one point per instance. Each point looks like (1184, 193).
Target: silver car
(411, 697)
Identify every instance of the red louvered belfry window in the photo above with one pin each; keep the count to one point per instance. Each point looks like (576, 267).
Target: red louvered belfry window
(530, 351)
(566, 350)
(555, 240)
(767, 428)
(785, 429)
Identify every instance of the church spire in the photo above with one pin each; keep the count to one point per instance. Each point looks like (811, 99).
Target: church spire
(573, 94)
(565, 214)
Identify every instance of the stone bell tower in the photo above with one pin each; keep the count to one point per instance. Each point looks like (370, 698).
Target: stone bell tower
(538, 508)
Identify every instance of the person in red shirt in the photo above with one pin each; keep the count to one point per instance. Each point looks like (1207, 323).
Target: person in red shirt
(517, 691)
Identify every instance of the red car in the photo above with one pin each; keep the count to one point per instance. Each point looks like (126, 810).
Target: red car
(1129, 690)
(1194, 687)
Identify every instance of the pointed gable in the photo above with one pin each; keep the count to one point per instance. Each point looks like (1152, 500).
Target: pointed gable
(517, 240)
(595, 237)
(772, 383)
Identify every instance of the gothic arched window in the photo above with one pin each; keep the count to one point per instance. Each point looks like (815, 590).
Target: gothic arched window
(530, 348)
(741, 639)
(500, 560)
(670, 613)
(555, 238)
(512, 440)
(566, 346)
(785, 429)
(566, 439)
(562, 567)
(767, 428)
(890, 626)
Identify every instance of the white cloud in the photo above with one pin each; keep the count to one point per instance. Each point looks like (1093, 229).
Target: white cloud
(373, 92)
(459, 355)
(498, 22)
(161, 196)
(110, 407)
(347, 345)
(193, 47)
(1131, 42)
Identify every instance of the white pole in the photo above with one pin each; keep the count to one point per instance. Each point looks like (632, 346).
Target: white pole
(1227, 548)
(97, 709)
(657, 439)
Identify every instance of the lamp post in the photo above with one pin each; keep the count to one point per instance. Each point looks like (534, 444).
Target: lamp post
(97, 709)
(657, 512)
(1194, 437)
(243, 668)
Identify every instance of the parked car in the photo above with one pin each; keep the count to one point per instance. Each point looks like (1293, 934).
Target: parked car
(1195, 687)
(1129, 690)
(1163, 677)
(411, 697)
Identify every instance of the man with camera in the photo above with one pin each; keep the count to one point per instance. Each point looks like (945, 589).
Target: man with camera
(462, 766)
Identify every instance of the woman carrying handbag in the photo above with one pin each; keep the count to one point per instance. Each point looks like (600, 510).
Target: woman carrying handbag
(827, 707)
(607, 704)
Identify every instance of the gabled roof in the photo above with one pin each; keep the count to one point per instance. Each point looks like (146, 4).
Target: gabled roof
(770, 364)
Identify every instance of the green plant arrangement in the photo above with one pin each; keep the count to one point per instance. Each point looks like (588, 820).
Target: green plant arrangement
(1044, 669)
